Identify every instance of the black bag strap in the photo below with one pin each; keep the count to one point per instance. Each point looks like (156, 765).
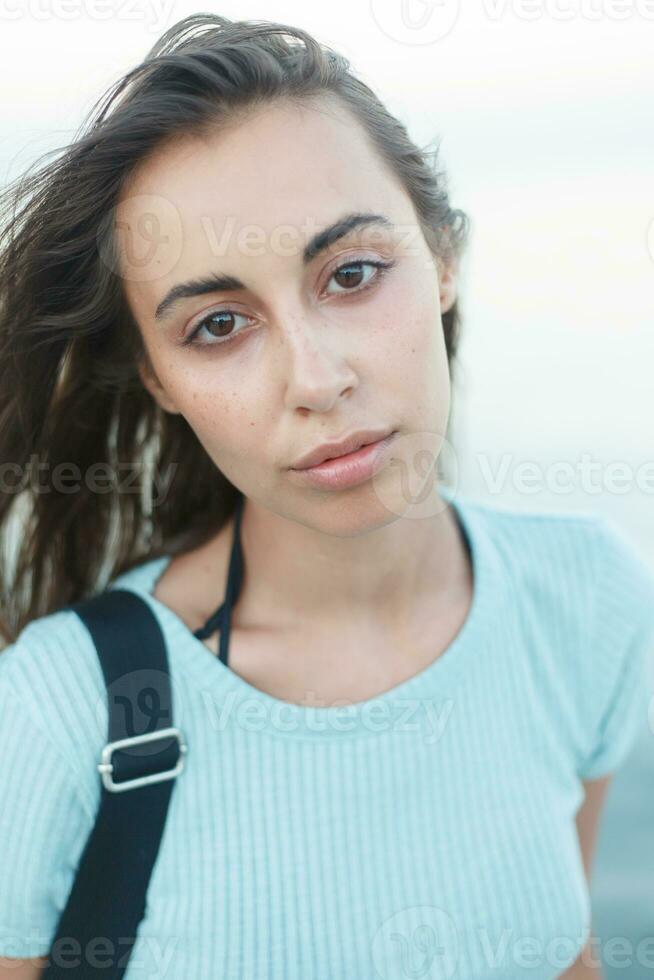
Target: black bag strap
(98, 927)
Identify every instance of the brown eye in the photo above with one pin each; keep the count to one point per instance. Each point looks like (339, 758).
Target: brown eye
(350, 275)
(220, 325)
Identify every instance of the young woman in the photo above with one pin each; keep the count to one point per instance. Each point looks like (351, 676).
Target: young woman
(401, 727)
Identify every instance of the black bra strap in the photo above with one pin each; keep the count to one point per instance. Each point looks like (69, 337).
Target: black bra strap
(221, 619)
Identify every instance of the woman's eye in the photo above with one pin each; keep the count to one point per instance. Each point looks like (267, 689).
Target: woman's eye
(220, 324)
(350, 275)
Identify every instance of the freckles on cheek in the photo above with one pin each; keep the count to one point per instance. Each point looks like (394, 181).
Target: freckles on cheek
(415, 340)
(420, 359)
(212, 412)
(226, 416)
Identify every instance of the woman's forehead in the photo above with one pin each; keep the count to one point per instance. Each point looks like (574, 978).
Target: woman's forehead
(275, 164)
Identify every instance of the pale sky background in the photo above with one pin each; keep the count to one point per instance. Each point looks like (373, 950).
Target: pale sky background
(544, 112)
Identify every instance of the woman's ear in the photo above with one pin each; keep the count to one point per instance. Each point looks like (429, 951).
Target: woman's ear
(151, 382)
(447, 285)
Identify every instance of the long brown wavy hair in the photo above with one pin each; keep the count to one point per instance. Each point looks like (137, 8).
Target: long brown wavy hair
(72, 402)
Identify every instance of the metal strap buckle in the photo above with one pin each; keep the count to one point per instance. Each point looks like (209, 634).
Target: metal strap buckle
(106, 768)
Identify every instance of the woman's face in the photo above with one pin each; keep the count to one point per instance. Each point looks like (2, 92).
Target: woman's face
(292, 352)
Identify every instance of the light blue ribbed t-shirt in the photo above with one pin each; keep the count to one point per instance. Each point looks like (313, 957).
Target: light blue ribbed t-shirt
(425, 833)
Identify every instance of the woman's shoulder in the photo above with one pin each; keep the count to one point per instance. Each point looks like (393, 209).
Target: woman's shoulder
(576, 575)
(50, 735)
(51, 677)
(49, 651)
(53, 674)
(576, 552)
(582, 594)
(54, 658)
(545, 526)
(143, 576)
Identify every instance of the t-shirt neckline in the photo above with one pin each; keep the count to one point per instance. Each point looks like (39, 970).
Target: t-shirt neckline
(234, 701)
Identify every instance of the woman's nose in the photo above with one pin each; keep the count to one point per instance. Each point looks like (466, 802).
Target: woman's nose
(317, 370)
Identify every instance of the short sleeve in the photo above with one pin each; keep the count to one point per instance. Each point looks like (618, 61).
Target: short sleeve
(44, 824)
(619, 686)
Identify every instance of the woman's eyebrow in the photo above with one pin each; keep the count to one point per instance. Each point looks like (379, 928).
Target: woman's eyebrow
(216, 283)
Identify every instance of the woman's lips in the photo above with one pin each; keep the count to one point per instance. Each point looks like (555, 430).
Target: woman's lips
(348, 470)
